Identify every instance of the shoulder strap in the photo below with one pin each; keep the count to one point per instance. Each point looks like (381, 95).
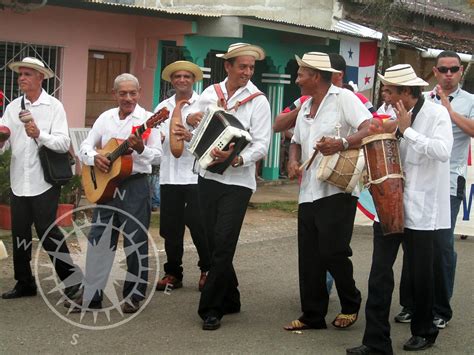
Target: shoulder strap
(223, 103)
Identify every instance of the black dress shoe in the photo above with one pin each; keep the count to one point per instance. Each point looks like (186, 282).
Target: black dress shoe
(416, 343)
(363, 350)
(211, 323)
(18, 292)
(77, 306)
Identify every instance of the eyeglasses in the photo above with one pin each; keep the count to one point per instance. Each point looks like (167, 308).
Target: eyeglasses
(444, 70)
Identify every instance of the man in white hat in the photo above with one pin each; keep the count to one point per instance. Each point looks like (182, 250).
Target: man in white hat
(33, 200)
(448, 71)
(224, 198)
(326, 213)
(179, 191)
(425, 148)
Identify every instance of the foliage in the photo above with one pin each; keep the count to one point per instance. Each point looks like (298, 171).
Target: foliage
(5, 177)
(71, 192)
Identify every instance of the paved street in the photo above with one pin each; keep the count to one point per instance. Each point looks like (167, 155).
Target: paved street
(266, 264)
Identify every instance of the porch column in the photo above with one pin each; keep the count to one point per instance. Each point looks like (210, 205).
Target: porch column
(276, 82)
(199, 85)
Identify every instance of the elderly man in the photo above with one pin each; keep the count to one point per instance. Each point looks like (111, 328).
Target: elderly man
(179, 191)
(460, 105)
(323, 235)
(425, 147)
(132, 197)
(224, 198)
(33, 200)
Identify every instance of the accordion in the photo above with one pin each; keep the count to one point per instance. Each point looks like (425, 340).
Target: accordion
(218, 129)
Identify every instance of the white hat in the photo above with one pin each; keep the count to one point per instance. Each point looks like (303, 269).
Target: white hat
(316, 60)
(33, 63)
(239, 49)
(181, 65)
(401, 75)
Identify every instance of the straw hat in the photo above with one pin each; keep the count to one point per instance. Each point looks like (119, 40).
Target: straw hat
(33, 63)
(316, 60)
(401, 75)
(238, 49)
(181, 65)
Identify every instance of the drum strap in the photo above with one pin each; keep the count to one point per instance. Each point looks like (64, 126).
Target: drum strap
(222, 102)
(414, 113)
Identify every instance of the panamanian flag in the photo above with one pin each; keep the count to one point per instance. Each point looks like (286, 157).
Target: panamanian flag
(360, 59)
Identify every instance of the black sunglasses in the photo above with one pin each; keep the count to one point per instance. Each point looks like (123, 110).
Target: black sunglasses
(444, 70)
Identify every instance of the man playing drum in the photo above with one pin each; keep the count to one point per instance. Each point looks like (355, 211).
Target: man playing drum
(323, 234)
(425, 147)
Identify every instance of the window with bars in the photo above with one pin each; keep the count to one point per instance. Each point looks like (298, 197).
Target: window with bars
(12, 52)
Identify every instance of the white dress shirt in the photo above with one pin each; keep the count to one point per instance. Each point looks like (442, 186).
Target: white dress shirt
(425, 151)
(255, 116)
(385, 109)
(26, 173)
(338, 106)
(109, 125)
(172, 170)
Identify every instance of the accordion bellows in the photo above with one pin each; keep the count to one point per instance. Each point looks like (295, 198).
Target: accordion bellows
(218, 129)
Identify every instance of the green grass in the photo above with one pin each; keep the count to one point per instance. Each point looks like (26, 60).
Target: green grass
(285, 206)
(155, 220)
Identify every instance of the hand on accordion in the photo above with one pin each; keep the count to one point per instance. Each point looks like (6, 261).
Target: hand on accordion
(221, 155)
(194, 119)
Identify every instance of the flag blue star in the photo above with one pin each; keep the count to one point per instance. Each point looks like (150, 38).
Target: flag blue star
(350, 53)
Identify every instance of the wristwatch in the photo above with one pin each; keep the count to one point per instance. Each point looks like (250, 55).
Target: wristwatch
(239, 162)
(345, 143)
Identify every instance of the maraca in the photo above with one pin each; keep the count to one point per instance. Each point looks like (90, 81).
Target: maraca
(4, 133)
(25, 116)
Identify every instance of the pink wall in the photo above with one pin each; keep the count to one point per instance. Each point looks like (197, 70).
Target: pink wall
(79, 31)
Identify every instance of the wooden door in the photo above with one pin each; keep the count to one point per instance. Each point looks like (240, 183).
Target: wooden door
(102, 69)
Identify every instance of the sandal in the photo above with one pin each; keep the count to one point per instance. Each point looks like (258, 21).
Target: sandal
(344, 320)
(296, 325)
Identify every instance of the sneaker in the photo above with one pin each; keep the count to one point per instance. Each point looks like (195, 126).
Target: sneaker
(440, 323)
(169, 281)
(202, 280)
(403, 317)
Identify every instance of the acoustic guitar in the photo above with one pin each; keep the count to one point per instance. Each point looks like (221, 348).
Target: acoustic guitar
(100, 187)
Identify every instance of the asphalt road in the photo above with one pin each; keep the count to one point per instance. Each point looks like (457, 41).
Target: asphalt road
(266, 264)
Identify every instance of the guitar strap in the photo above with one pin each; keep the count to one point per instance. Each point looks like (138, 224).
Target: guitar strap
(222, 102)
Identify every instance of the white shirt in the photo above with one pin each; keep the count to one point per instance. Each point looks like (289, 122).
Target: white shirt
(26, 173)
(255, 116)
(338, 106)
(109, 125)
(463, 103)
(425, 151)
(172, 170)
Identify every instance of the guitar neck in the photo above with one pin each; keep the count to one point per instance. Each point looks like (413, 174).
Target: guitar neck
(123, 148)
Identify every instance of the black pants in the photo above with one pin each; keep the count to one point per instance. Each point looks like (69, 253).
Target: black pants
(39, 210)
(180, 207)
(324, 234)
(223, 208)
(133, 199)
(419, 251)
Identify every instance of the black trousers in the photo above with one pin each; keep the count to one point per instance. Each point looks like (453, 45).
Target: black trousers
(133, 199)
(180, 207)
(324, 234)
(419, 251)
(223, 208)
(39, 210)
